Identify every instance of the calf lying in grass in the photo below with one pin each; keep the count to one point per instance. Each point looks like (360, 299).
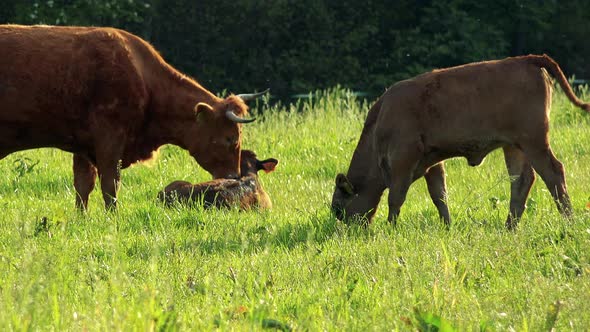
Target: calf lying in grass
(245, 192)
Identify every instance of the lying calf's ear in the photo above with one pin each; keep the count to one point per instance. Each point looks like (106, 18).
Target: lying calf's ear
(343, 184)
(268, 165)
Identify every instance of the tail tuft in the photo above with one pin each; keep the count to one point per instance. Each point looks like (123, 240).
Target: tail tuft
(586, 107)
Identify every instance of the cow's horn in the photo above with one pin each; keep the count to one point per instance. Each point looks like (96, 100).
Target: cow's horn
(232, 116)
(252, 96)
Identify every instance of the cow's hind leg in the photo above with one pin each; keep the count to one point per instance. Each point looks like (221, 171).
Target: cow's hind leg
(437, 188)
(522, 178)
(552, 172)
(84, 180)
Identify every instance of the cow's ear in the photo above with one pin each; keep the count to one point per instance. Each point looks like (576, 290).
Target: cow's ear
(343, 184)
(268, 165)
(202, 109)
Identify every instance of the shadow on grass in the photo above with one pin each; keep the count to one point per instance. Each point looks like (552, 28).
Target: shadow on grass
(313, 230)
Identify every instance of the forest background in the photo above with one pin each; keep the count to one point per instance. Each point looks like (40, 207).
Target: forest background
(297, 46)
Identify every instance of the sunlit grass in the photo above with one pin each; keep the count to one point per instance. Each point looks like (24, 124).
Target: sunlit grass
(148, 267)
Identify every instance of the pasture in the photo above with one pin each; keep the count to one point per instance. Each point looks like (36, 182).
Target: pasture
(148, 267)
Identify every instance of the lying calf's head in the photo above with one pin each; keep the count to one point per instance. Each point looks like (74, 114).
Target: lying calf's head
(250, 165)
(245, 192)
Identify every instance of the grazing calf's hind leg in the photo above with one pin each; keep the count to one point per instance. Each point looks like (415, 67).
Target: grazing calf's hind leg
(522, 178)
(437, 188)
(553, 174)
(84, 180)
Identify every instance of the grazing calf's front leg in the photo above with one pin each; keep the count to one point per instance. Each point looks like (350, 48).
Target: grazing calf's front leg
(401, 175)
(437, 188)
(522, 178)
(84, 180)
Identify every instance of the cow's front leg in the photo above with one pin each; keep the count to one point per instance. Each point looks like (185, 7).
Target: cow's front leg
(84, 180)
(522, 178)
(437, 188)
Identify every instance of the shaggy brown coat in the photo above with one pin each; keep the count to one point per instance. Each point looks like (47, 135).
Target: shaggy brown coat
(108, 97)
(246, 192)
(465, 111)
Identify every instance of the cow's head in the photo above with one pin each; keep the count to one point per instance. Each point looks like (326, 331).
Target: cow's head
(353, 204)
(217, 147)
(250, 165)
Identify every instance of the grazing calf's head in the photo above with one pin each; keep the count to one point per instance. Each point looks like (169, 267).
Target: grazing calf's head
(343, 195)
(350, 203)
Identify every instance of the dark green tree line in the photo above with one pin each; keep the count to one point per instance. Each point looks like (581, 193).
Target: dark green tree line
(294, 46)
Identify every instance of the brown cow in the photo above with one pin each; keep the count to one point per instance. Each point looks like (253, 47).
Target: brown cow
(246, 192)
(465, 111)
(108, 97)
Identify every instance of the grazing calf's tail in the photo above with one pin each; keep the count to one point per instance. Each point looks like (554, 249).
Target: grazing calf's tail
(544, 61)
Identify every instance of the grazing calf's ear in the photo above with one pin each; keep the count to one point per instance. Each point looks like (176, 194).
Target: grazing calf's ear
(268, 165)
(202, 108)
(344, 184)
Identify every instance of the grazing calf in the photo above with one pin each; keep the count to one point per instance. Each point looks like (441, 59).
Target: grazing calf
(466, 111)
(245, 191)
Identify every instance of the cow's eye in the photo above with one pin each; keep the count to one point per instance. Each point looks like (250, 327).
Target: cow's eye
(231, 141)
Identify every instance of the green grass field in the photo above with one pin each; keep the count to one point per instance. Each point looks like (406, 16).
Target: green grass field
(147, 267)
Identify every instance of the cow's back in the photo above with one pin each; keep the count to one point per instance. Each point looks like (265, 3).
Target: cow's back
(53, 78)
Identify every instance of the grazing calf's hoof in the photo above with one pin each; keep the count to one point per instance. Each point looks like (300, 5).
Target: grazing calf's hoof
(511, 224)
